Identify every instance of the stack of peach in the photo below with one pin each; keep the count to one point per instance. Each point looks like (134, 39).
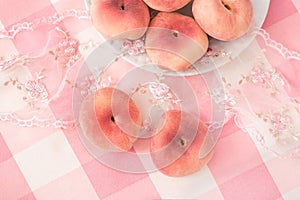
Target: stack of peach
(111, 119)
(224, 20)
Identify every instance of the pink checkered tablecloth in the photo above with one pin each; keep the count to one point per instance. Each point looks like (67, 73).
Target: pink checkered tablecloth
(50, 162)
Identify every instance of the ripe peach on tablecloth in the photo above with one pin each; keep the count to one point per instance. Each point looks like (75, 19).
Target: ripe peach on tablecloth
(175, 148)
(110, 119)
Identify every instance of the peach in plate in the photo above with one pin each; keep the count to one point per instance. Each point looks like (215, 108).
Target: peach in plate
(122, 18)
(224, 20)
(166, 5)
(175, 41)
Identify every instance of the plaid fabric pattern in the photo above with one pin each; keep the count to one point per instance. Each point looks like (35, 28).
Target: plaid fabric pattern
(38, 163)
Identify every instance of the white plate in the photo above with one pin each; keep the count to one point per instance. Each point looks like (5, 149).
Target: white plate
(227, 50)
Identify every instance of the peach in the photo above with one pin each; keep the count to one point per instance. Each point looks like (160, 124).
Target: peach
(102, 118)
(120, 18)
(166, 5)
(223, 19)
(175, 149)
(174, 41)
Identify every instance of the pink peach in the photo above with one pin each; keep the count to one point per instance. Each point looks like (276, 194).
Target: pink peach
(102, 115)
(175, 41)
(175, 149)
(120, 18)
(166, 5)
(223, 19)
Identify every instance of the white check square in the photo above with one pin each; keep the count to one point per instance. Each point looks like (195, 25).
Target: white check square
(294, 194)
(47, 160)
(1, 26)
(187, 187)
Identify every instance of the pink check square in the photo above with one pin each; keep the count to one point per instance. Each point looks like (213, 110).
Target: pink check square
(13, 184)
(245, 186)
(278, 11)
(5, 153)
(107, 181)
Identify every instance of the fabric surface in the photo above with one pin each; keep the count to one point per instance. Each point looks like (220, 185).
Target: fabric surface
(43, 157)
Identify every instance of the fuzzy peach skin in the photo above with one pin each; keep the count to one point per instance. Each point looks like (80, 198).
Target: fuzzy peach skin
(166, 5)
(224, 20)
(120, 18)
(99, 114)
(174, 41)
(180, 139)
(90, 126)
